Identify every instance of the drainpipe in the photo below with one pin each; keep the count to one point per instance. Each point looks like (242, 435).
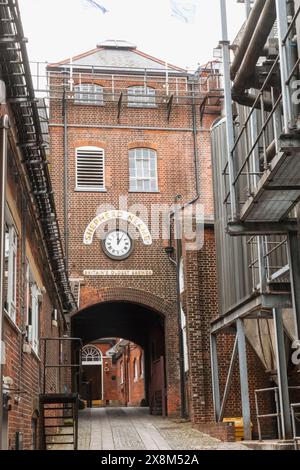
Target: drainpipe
(183, 410)
(4, 126)
(66, 198)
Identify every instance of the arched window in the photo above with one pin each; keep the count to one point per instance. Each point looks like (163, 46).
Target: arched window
(91, 355)
(141, 97)
(88, 93)
(143, 170)
(90, 171)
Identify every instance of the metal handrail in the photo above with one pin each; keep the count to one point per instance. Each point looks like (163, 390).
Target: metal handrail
(272, 415)
(278, 410)
(295, 414)
(59, 366)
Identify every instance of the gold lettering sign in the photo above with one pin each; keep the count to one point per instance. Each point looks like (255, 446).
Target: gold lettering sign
(116, 214)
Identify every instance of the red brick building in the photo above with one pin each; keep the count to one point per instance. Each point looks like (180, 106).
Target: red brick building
(34, 293)
(128, 141)
(113, 373)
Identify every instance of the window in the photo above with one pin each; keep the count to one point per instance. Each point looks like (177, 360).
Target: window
(122, 372)
(142, 365)
(33, 311)
(90, 169)
(10, 284)
(135, 370)
(143, 170)
(141, 97)
(91, 356)
(89, 93)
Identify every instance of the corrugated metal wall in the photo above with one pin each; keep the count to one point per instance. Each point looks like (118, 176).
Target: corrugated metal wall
(233, 255)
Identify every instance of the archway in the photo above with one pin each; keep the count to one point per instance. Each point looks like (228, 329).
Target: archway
(138, 324)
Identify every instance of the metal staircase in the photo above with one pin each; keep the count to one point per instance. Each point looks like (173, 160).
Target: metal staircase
(59, 419)
(59, 409)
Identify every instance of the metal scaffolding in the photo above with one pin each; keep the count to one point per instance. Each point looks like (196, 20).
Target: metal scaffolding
(31, 123)
(257, 188)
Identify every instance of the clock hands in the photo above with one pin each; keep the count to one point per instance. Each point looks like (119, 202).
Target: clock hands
(120, 239)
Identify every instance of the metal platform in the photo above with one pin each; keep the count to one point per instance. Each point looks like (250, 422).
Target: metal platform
(278, 190)
(59, 398)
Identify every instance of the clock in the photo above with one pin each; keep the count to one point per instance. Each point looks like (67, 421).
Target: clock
(117, 245)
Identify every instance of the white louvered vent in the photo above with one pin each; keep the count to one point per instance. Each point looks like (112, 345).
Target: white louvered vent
(90, 169)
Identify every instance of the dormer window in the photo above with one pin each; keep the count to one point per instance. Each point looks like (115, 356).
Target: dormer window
(88, 93)
(141, 97)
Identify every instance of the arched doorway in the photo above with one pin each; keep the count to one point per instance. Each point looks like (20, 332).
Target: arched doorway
(138, 324)
(92, 376)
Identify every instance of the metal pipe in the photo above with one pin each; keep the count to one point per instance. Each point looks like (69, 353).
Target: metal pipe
(249, 30)
(228, 109)
(3, 168)
(196, 156)
(250, 100)
(244, 381)
(254, 50)
(285, 63)
(183, 410)
(215, 376)
(247, 8)
(66, 196)
(284, 399)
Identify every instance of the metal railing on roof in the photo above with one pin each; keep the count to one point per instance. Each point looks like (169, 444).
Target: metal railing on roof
(186, 87)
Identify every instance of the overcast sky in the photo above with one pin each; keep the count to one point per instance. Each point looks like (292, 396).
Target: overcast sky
(59, 29)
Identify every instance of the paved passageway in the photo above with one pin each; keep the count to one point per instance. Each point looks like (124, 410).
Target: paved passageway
(135, 429)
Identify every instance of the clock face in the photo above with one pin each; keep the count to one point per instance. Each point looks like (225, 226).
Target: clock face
(117, 245)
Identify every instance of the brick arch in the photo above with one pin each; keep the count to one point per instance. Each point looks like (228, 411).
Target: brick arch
(90, 143)
(143, 144)
(96, 296)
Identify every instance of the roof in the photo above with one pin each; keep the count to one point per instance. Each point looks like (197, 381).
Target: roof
(120, 55)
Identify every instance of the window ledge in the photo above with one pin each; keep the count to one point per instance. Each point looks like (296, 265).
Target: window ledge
(81, 190)
(11, 322)
(141, 107)
(90, 104)
(145, 192)
(35, 354)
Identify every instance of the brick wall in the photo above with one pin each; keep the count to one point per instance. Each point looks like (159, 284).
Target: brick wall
(173, 142)
(23, 368)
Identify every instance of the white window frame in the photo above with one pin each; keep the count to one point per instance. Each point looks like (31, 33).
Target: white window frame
(135, 370)
(35, 317)
(95, 188)
(141, 96)
(12, 272)
(122, 372)
(33, 294)
(133, 180)
(142, 365)
(88, 94)
(91, 356)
